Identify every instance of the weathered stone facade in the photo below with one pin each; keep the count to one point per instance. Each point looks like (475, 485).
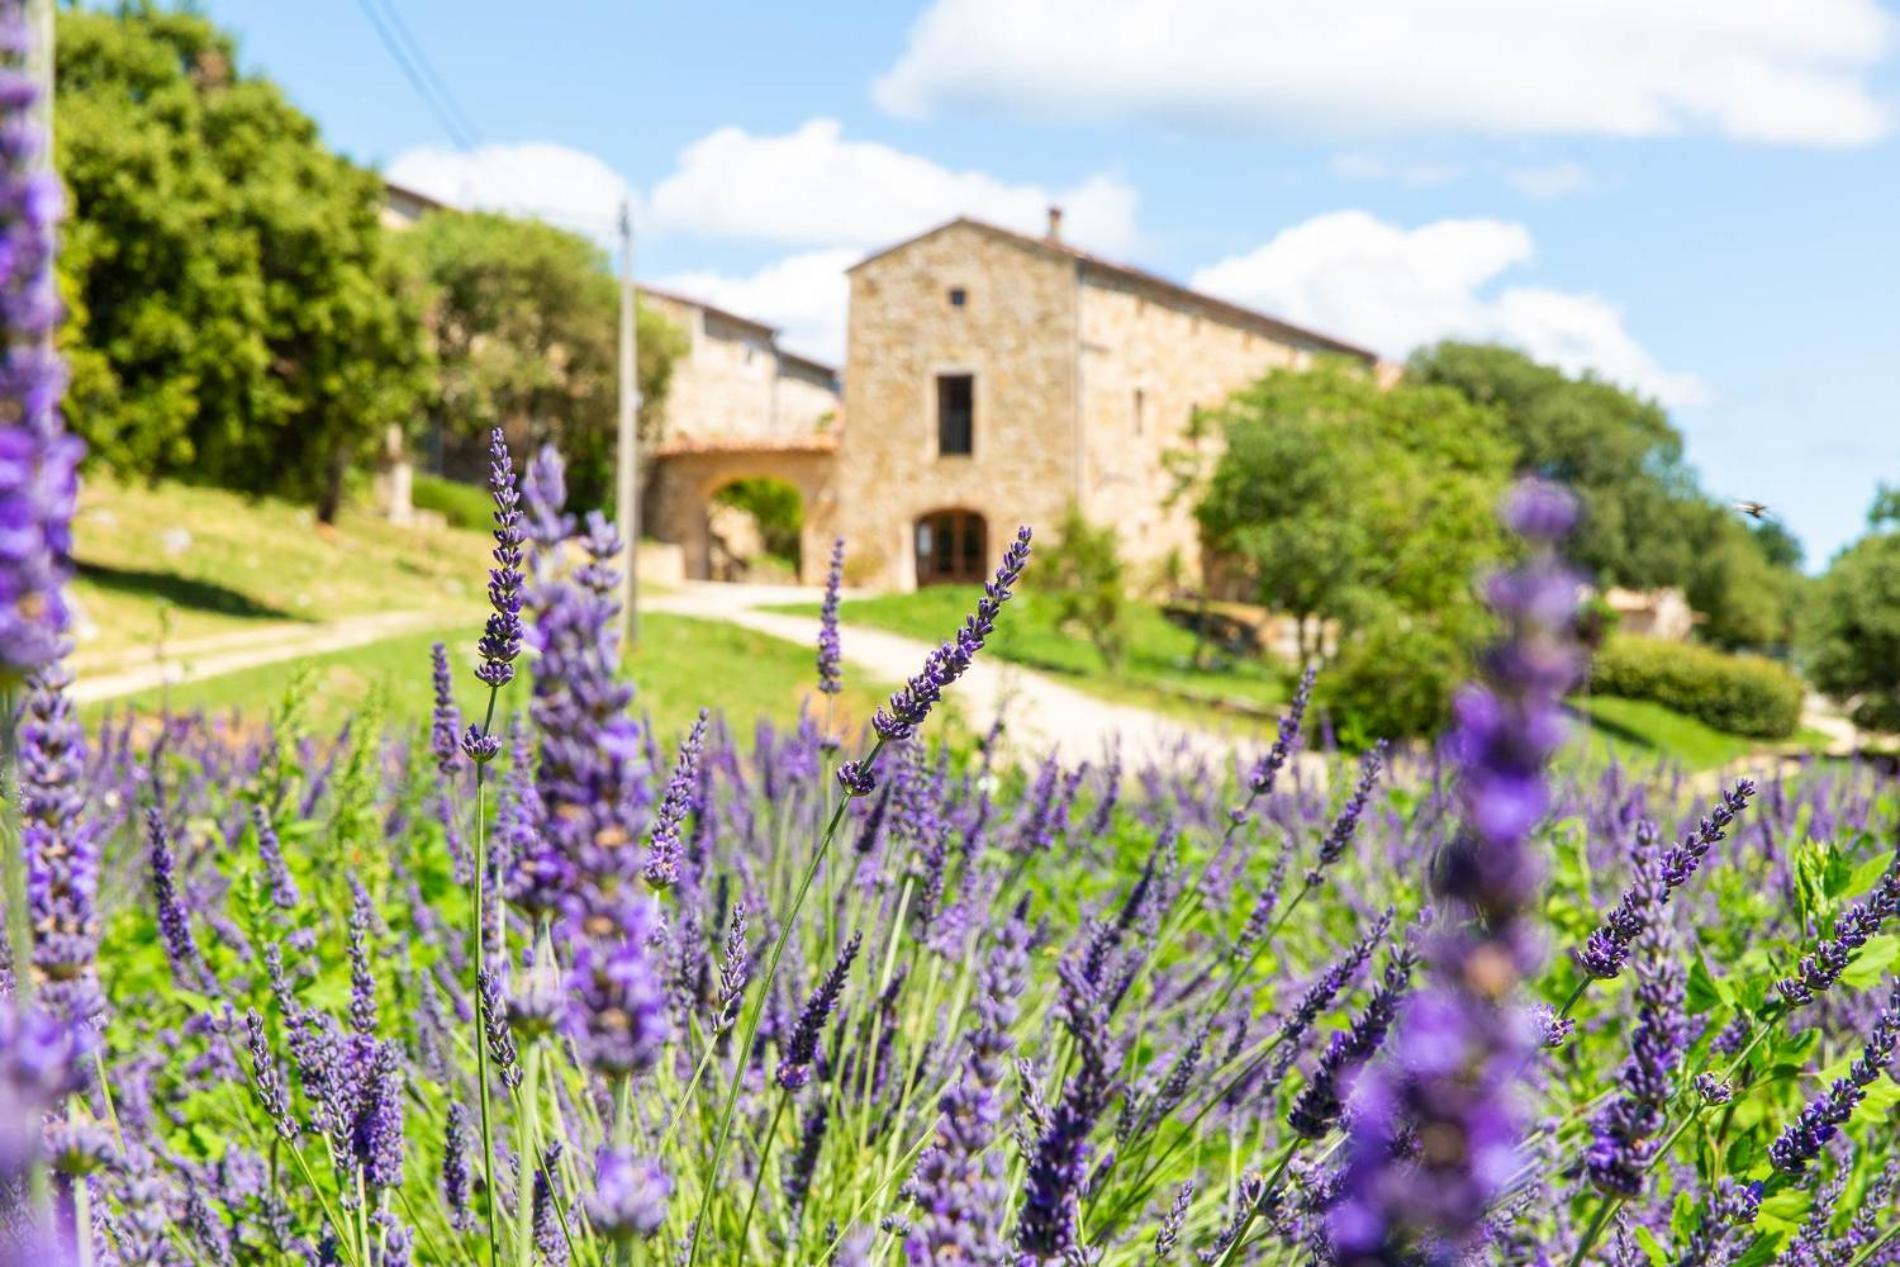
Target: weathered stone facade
(1082, 376)
(1085, 375)
(735, 381)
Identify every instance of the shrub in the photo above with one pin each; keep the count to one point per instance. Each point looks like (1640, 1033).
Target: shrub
(1394, 681)
(461, 505)
(1085, 574)
(1742, 694)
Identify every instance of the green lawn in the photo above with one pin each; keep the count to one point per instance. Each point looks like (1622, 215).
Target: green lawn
(1156, 673)
(181, 562)
(1630, 727)
(681, 665)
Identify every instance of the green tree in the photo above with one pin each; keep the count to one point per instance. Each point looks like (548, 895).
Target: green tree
(525, 318)
(1647, 523)
(1085, 574)
(1853, 633)
(235, 314)
(1343, 502)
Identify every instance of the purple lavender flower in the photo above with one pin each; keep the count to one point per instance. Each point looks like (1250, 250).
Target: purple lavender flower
(617, 1008)
(501, 639)
(265, 1077)
(1324, 1097)
(61, 849)
(801, 1048)
(1462, 1045)
(1820, 970)
(455, 1168)
(663, 849)
(1731, 1213)
(376, 1138)
(445, 725)
(501, 1041)
(174, 922)
(362, 975)
(1059, 1163)
(958, 1186)
(830, 656)
(591, 777)
(270, 851)
(1287, 742)
(1339, 839)
(1627, 1129)
(1801, 1142)
(43, 1059)
(1169, 1233)
(911, 703)
(734, 970)
(39, 461)
(629, 1198)
(803, 1165)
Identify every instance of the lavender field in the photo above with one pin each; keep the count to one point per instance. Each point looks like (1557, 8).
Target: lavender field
(529, 982)
(536, 987)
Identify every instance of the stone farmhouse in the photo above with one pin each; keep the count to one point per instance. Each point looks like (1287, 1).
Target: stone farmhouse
(992, 378)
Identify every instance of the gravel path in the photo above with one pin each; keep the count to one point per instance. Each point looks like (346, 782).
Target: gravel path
(1041, 713)
(195, 659)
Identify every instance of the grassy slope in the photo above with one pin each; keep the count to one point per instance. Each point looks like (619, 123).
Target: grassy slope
(681, 665)
(186, 562)
(1155, 675)
(1644, 728)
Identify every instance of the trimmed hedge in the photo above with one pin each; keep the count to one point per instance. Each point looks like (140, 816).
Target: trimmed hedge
(462, 505)
(1741, 694)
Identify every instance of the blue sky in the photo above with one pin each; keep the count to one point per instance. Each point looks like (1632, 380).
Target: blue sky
(1696, 196)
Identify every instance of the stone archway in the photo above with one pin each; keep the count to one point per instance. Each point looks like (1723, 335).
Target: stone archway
(688, 472)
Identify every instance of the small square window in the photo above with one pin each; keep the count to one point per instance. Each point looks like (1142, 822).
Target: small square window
(959, 297)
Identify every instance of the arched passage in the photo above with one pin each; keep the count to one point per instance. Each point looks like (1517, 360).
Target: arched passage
(690, 475)
(753, 528)
(952, 547)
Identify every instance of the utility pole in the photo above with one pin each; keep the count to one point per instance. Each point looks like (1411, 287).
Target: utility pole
(627, 469)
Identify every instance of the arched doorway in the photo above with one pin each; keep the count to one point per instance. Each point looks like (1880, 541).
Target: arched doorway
(753, 527)
(952, 547)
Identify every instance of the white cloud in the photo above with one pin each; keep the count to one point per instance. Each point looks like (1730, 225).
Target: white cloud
(1793, 71)
(569, 187)
(1359, 277)
(1355, 166)
(1552, 181)
(804, 295)
(813, 187)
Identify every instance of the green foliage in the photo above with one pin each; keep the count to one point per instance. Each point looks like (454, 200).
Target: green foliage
(1646, 521)
(1395, 680)
(1853, 645)
(525, 318)
(775, 506)
(1373, 509)
(236, 316)
(460, 505)
(1086, 576)
(1740, 694)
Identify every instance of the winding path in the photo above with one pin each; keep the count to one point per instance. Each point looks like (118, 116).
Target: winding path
(1041, 713)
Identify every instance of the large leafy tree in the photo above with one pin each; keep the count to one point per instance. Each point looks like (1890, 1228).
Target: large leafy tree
(525, 318)
(1344, 502)
(1853, 631)
(1647, 522)
(236, 315)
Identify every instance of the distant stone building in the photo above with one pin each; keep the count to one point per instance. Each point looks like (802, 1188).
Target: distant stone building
(994, 378)
(738, 406)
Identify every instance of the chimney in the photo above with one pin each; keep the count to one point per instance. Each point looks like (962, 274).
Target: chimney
(1055, 223)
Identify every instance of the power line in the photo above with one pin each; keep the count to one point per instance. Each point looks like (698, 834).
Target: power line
(415, 68)
(427, 67)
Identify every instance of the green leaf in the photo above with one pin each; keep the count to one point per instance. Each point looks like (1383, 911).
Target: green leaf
(1870, 966)
(1651, 1247)
(1867, 875)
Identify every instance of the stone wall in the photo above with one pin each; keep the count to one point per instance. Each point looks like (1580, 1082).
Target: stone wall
(734, 382)
(685, 480)
(1148, 360)
(1016, 334)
